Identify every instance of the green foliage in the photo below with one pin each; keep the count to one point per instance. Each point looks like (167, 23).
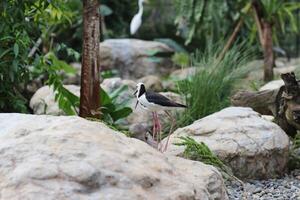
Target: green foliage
(189, 18)
(218, 18)
(294, 153)
(118, 21)
(53, 67)
(255, 85)
(111, 109)
(200, 152)
(181, 59)
(209, 89)
(171, 43)
(23, 22)
(15, 41)
(281, 14)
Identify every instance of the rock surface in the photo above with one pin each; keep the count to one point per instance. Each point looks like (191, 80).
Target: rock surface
(50, 157)
(151, 82)
(272, 85)
(252, 146)
(133, 58)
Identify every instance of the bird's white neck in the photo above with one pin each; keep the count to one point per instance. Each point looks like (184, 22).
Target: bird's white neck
(140, 7)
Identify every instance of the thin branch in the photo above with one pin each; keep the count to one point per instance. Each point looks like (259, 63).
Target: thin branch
(259, 26)
(35, 47)
(231, 39)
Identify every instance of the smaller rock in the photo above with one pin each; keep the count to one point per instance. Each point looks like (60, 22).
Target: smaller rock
(270, 118)
(272, 85)
(43, 101)
(253, 147)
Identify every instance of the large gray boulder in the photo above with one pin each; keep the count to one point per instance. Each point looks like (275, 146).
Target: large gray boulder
(134, 58)
(51, 157)
(252, 146)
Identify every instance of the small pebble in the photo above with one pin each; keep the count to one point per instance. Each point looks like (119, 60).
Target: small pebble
(285, 188)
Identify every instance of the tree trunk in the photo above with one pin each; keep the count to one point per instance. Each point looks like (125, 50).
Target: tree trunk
(90, 72)
(268, 51)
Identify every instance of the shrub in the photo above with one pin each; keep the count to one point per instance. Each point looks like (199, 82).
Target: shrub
(209, 89)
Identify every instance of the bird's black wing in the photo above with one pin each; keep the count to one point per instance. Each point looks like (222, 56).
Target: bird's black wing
(161, 100)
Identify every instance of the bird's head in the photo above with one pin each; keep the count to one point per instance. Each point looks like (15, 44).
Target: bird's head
(140, 90)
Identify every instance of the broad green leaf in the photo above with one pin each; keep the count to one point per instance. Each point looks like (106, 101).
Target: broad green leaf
(5, 52)
(16, 49)
(117, 92)
(108, 108)
(122, 113)
(15, 65)
(292, 19)
(104, 98)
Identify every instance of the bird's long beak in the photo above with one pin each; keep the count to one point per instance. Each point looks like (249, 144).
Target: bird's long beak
(134, 93)
(136, 104)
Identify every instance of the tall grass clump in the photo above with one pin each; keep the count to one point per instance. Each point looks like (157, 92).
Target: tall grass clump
(209, 89)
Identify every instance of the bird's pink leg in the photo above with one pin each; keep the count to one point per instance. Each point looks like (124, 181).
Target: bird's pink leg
(154, 126)
(157, 129)
(159, 132)
(171, 129)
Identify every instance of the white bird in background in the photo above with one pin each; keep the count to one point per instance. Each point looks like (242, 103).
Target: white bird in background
(136, 21)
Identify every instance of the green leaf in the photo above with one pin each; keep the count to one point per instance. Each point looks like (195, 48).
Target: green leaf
(16, 49)
(65, 67)
(4, 52)
(105, 10)
(292, 19)
(15, 65)
(104, 98)
(108, 108)
(122, 113)
(117, 92)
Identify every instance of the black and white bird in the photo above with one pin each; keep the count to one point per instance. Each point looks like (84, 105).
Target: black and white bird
(154, 102)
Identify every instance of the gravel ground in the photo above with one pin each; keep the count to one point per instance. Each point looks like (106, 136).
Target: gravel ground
(285, 188)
